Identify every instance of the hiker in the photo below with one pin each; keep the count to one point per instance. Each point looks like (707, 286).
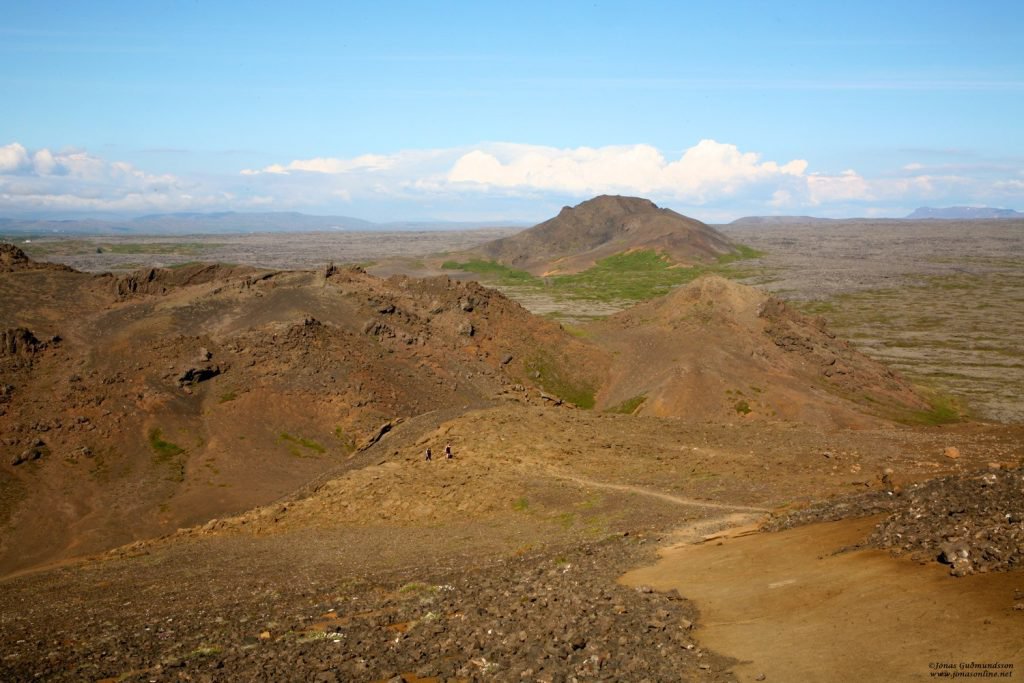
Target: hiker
(428, 454)
(448, 451)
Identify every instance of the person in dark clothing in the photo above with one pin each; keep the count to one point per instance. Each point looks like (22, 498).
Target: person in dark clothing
(428, 455)
(448, 451)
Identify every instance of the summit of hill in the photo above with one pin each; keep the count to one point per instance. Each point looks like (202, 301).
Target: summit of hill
(581, 235)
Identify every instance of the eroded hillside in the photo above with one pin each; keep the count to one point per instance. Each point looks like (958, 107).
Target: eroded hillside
(134, 405)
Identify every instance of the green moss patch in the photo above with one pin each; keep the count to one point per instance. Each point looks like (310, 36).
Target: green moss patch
(629, 276)
(164, 450)
(629, 406)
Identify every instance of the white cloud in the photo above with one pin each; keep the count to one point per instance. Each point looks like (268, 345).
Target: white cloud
(847, 186)
(74, 180)
(703, 171)
(43, 162)
(13, 157)
(1012, 185)
(710, 180)
(366, 162)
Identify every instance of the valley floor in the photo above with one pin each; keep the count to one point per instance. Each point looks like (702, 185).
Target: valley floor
(530, 590)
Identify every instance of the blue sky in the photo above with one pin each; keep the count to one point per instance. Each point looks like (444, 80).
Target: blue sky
(509, 110)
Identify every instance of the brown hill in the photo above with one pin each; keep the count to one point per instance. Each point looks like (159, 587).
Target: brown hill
(718, 350)
(581, 235)
(134, 405)
(165, 398)
(12, 258)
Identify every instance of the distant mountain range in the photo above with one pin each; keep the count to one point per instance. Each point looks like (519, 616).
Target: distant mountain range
(963, 213)
(221, 223)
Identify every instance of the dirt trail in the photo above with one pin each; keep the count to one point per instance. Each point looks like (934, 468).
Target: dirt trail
(639, 490)
(793, 609)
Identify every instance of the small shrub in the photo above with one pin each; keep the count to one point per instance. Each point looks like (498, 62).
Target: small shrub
(306, 443)
(164, 450)
(629, 406)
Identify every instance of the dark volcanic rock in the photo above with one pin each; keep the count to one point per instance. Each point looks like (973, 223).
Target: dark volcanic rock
(196, 374)
(551, 616)
(11, 257)
(973, 523)
(19, 341)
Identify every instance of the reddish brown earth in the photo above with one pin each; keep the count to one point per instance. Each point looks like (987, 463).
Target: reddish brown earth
(293, 411)
(717, 350)
(581, 235)
(256, 381)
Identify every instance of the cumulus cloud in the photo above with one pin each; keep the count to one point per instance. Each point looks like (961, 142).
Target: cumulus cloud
(69, 180)
(710, 179)
(13, 158)
(707, 169)
(846, 186)
(365, 162)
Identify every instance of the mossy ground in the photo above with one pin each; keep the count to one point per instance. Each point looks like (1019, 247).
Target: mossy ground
(630, 276)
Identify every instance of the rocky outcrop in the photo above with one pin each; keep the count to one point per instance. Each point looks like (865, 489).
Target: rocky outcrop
(14, 259)
(162, 280)
(19, 341)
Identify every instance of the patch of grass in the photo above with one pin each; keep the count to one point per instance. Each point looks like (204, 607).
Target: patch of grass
(566, 519)
(204, 651)
(814, 308)
(183, 248)
(164, 450)
(520, 504)
(629, 406)
(741, 253)
(415, 587)
(943, 410)
(742, 407)
(347, 441)
(305, 443)
(503, 274)
(228, 396)
(629, 276)
(553, 380)
(577, 332)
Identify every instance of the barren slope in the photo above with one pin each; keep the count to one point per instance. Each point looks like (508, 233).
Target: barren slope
(581, 235)
(131, 406)
(718, 350)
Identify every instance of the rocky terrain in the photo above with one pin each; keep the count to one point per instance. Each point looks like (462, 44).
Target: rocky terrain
(543, 616)
(158, 381)
(715, 349)
(973, 522)
(937, 301)
(217, 472)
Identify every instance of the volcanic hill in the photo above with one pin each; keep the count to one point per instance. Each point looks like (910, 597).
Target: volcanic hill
(248, 447)
(716, 349)
(579, 236)
(132, 405)
(136, 404)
